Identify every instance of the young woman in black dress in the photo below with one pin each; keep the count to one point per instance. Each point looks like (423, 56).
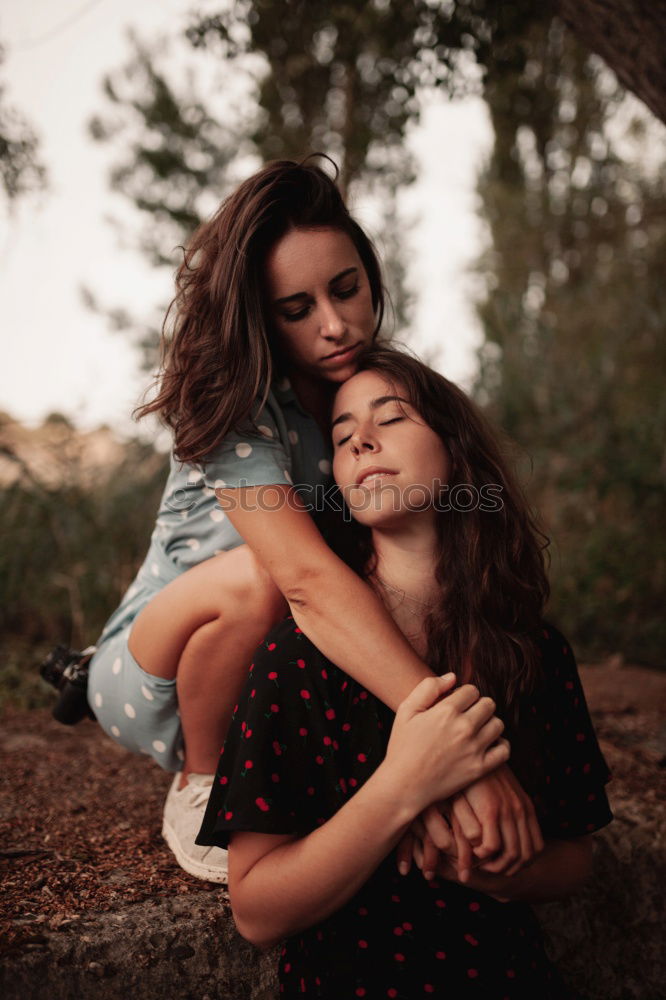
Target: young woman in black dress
(318, 782)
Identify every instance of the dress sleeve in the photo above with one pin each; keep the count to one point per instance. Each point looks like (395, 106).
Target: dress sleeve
(264, 777)
(571, 799)
(255, 454)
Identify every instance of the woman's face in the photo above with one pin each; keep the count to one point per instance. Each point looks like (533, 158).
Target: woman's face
(320, 302)
(387, 461)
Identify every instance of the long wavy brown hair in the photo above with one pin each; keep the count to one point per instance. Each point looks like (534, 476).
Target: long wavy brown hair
(490, 558)
(219, 358)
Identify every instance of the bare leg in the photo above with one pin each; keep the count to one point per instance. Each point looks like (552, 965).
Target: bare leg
(202, 629)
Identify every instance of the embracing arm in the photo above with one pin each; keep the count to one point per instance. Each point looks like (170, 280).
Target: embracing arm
(345, 619)
(280, 885)
(338, 611)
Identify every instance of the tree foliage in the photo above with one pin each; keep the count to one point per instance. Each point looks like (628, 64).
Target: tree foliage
(20, 168)
(575, 306)
(72, 547)
(573, 322)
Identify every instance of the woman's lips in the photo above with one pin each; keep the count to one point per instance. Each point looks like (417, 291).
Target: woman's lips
(342, 357)
(372, 477)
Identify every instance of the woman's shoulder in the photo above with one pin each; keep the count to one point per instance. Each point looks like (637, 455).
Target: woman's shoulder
(553, 645)
(557, 658)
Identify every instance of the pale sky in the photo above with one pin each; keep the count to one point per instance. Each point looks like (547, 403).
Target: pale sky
(56, 354)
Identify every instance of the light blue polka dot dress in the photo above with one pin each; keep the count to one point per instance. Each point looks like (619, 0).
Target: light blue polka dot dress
(284, 446)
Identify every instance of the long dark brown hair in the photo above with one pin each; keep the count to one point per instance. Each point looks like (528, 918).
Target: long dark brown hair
(490, 557)
(219, 360)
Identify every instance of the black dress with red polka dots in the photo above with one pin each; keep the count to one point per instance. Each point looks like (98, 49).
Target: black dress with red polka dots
(304, 737)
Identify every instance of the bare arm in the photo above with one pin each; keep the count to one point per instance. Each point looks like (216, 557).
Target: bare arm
(279, 885)
(342, 615)
(338, 611)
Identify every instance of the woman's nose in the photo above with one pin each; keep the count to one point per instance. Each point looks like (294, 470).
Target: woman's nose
(332, 323)
(362, 442)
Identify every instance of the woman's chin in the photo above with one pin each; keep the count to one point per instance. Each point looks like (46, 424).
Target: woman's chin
(379, 520)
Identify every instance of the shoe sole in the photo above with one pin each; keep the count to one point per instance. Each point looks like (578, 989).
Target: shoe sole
(208, 873)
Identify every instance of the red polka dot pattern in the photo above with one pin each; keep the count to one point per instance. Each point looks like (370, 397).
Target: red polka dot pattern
(304, 739)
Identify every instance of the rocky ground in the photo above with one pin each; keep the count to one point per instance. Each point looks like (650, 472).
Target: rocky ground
(82, 857)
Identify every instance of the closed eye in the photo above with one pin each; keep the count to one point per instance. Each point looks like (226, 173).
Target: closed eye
(346, 293)
(339, 293)
(383, 423)
(294, 317)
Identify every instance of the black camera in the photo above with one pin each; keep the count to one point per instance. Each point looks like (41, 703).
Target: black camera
(67, 670)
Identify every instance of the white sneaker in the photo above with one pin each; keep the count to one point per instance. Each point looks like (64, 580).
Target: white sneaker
(183, 814)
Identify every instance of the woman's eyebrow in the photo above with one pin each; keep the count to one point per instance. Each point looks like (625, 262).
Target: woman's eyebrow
(304, 295)
(374, 405)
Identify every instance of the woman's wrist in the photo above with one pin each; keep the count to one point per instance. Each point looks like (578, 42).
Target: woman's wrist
(397, 795)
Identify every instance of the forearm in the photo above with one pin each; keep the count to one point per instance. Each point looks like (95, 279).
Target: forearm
(302, 882)
(340, 613)
(558, 871)
(345, 619)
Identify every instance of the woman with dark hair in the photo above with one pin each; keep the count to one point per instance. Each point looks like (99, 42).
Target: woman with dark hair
(317, 782)
(277, 294)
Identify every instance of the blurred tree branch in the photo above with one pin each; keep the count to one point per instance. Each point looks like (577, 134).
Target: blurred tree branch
(630, 36)
(20, 168)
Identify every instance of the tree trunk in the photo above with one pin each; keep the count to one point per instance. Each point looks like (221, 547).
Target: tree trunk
(630, 35)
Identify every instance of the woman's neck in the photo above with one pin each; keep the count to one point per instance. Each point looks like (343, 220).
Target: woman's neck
(316, 398)
(406, 558)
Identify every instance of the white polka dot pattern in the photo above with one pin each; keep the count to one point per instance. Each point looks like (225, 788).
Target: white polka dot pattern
(147, 693)
(324, 466)
(130, 711)
(243, 449)
(217, 515)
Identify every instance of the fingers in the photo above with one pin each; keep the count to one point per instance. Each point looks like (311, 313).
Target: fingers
(464, 851)
(518, 820)
(526, 848)
(490, 731)
(481, 712)
(496, 755)
(430, 858)
(531, 841)
(467, 819)
(463, 697)
(426, 693)
(404, 853)
(437, 828)
(535, 829)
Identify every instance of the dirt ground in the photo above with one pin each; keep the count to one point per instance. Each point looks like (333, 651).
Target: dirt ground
(80, 817)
